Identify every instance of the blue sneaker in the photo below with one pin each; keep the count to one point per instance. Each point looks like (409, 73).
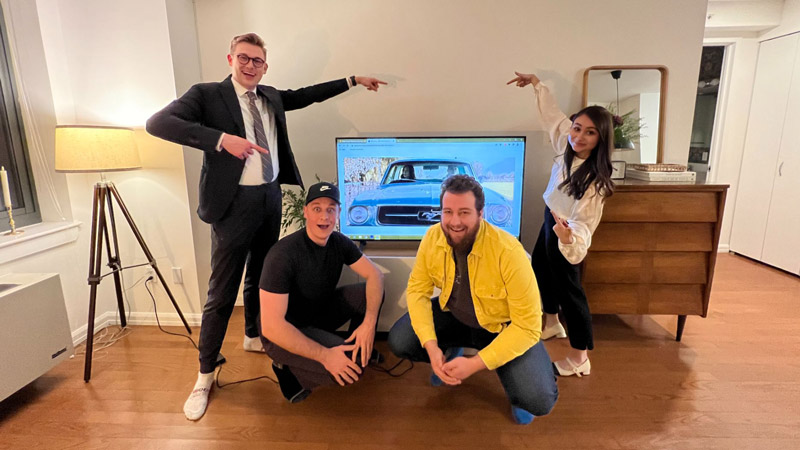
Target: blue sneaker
(449, 354)
(521, 416)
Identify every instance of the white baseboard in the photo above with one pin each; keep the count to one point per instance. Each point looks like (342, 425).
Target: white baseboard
(138, 318)
(723, 248)
(105, 319)
(166, 319)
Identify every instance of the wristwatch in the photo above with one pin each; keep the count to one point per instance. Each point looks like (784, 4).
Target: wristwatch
(353, 80)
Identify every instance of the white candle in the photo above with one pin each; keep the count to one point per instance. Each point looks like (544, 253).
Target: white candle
(6, 192)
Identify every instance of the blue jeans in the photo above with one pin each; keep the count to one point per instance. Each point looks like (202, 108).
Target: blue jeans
(528, 379)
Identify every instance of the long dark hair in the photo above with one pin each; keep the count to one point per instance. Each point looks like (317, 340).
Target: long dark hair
(596, 168)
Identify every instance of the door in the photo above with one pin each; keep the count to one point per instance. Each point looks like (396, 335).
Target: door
(776, 59)
(782, 239)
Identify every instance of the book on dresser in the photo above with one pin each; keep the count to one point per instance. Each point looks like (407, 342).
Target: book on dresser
(660, 176)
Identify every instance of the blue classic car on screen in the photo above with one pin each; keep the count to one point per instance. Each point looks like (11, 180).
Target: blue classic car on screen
(409, 195)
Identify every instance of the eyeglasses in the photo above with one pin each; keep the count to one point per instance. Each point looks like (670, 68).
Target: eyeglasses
(244, 59)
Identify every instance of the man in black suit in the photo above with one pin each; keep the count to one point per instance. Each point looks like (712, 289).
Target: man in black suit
(241, 127)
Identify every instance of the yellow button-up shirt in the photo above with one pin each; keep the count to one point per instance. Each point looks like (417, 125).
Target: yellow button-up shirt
(503, 286)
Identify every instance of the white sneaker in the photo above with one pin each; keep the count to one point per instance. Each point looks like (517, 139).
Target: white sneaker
(196, 404)
(555, 331)
(253, 344)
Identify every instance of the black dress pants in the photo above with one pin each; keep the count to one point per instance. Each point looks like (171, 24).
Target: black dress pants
(560, 285)
(239, 242)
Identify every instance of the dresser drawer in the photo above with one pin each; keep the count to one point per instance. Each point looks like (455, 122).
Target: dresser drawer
(645, 236)
(646, 267)
(677, 299)
(661, 207)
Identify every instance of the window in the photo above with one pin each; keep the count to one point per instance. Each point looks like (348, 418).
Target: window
(13, 147)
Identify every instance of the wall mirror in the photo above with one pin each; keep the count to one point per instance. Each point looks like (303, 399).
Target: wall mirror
(638, 95)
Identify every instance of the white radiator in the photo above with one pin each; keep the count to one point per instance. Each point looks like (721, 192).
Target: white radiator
(34, 330)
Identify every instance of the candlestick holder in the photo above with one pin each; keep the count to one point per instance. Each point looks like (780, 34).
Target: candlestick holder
(14, 230)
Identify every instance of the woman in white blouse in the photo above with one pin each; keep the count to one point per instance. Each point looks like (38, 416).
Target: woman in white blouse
(580, 181)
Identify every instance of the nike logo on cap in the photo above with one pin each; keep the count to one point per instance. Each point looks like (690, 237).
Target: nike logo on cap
(324, 188)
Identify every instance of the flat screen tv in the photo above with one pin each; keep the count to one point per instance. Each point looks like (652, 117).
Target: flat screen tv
(390, 186)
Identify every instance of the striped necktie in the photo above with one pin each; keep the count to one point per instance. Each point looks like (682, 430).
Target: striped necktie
(261, 138)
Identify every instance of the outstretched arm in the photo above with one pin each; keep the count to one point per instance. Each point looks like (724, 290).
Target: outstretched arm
(285, 335)
(553, 119)
(300, 98)
(524, 79)
(372, 84)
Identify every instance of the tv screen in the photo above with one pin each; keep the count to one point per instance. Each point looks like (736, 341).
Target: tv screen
(391, 186)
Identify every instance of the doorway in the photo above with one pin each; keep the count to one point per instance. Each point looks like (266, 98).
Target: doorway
(705, 108)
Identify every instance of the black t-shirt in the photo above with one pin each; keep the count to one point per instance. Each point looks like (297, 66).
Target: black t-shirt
(307, 272)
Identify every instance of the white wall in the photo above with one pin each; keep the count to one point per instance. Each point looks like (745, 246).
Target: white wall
(790, 21)
(735, 16)
(649, 110)
(110, 63)
(99, 51)
(448, 61)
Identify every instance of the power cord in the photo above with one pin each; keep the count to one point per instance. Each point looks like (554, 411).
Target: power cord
(155, 310)
(223, 385)
(389, 371)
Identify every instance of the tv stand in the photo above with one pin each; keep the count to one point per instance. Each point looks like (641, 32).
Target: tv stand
(394, 259)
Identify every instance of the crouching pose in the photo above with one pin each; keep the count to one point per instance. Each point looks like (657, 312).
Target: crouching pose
(489, 301)
(301, 306)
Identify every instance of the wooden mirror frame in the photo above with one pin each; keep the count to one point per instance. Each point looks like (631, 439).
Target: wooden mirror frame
(662, 102)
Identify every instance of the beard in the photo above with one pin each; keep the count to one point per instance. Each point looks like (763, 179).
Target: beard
(466, 242)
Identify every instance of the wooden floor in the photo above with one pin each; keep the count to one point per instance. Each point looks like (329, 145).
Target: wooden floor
(734, 382)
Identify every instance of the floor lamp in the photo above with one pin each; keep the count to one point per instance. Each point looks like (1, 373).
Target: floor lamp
(104, 149)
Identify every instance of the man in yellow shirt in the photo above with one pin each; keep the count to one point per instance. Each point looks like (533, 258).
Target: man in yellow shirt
(489, 301)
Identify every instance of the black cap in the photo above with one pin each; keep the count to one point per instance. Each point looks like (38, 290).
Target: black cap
(323, 189)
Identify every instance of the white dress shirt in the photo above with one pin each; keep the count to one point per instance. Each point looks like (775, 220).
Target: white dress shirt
(252, 174)
(582, 215)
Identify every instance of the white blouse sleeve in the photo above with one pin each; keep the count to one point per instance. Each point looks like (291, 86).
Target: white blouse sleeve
(555, 121)
(583, 221)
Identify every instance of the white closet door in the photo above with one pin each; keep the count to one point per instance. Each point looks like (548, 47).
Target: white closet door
(782, 239)
(762, 144)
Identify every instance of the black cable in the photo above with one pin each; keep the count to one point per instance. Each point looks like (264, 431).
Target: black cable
(389, 371)
(155, 309)
(374, 367)
(220, 386)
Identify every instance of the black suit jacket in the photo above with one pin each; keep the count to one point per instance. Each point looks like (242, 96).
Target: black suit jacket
(206, 110)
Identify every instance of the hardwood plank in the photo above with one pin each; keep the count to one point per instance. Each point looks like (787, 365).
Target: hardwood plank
(733, 382)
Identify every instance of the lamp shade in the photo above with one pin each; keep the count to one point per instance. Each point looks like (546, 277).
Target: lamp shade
(83, 148)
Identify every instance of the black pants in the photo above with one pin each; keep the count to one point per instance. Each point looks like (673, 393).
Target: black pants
(239, 241)
(348, 303)
(560, 285)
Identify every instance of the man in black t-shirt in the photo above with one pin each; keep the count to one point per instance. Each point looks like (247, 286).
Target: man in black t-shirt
(301, 306)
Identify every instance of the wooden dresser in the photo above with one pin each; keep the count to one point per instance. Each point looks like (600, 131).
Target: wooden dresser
(654, 250)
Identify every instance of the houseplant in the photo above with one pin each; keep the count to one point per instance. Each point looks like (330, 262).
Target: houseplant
(627, 129)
